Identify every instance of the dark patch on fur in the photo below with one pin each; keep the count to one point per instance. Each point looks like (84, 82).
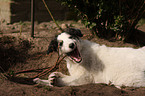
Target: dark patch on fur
(53, 46)
(74, 32)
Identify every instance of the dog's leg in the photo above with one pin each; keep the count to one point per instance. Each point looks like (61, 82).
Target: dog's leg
(42, 82)
(59, 79)
(52, 79)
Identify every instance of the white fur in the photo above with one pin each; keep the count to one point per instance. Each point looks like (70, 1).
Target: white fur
(100, 64)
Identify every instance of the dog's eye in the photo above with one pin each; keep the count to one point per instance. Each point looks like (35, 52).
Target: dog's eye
(61, 43)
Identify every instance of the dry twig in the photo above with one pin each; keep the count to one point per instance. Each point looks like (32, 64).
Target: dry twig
(54, 68)
(47, 70)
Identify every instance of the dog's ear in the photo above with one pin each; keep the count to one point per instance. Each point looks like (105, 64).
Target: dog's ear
(74, 32)
(52, 46)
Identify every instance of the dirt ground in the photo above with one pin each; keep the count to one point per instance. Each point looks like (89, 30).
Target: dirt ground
(18, 51)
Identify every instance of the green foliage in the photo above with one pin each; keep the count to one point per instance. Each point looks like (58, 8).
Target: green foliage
(141, 22)
(109, 18)
(48, 88)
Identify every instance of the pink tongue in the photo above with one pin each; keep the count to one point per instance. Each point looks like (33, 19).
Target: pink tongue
(75, 55)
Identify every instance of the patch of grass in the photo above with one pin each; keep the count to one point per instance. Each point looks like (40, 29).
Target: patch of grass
(48, 88)
(141, 22)
(45, 87)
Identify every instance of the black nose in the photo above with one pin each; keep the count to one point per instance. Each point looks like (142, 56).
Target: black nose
(72, 45)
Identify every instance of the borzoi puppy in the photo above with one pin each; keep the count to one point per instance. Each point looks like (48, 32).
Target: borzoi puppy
(88, 62)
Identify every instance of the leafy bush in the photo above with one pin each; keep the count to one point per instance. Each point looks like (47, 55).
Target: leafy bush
(109, 18)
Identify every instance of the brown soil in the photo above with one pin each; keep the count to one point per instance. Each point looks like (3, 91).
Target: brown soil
(18, 51)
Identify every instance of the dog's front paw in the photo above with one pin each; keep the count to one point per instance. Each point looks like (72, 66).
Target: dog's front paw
(53, 78)
(37, 80)
(41, 82)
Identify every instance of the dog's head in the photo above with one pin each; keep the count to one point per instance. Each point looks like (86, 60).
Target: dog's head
(67, 43)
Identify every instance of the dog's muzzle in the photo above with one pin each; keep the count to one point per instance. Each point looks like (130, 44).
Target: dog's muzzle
(75, 55)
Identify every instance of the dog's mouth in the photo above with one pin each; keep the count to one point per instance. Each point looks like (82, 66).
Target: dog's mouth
(75, 55)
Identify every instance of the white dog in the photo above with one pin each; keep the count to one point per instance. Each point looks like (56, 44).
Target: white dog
(88, 62)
